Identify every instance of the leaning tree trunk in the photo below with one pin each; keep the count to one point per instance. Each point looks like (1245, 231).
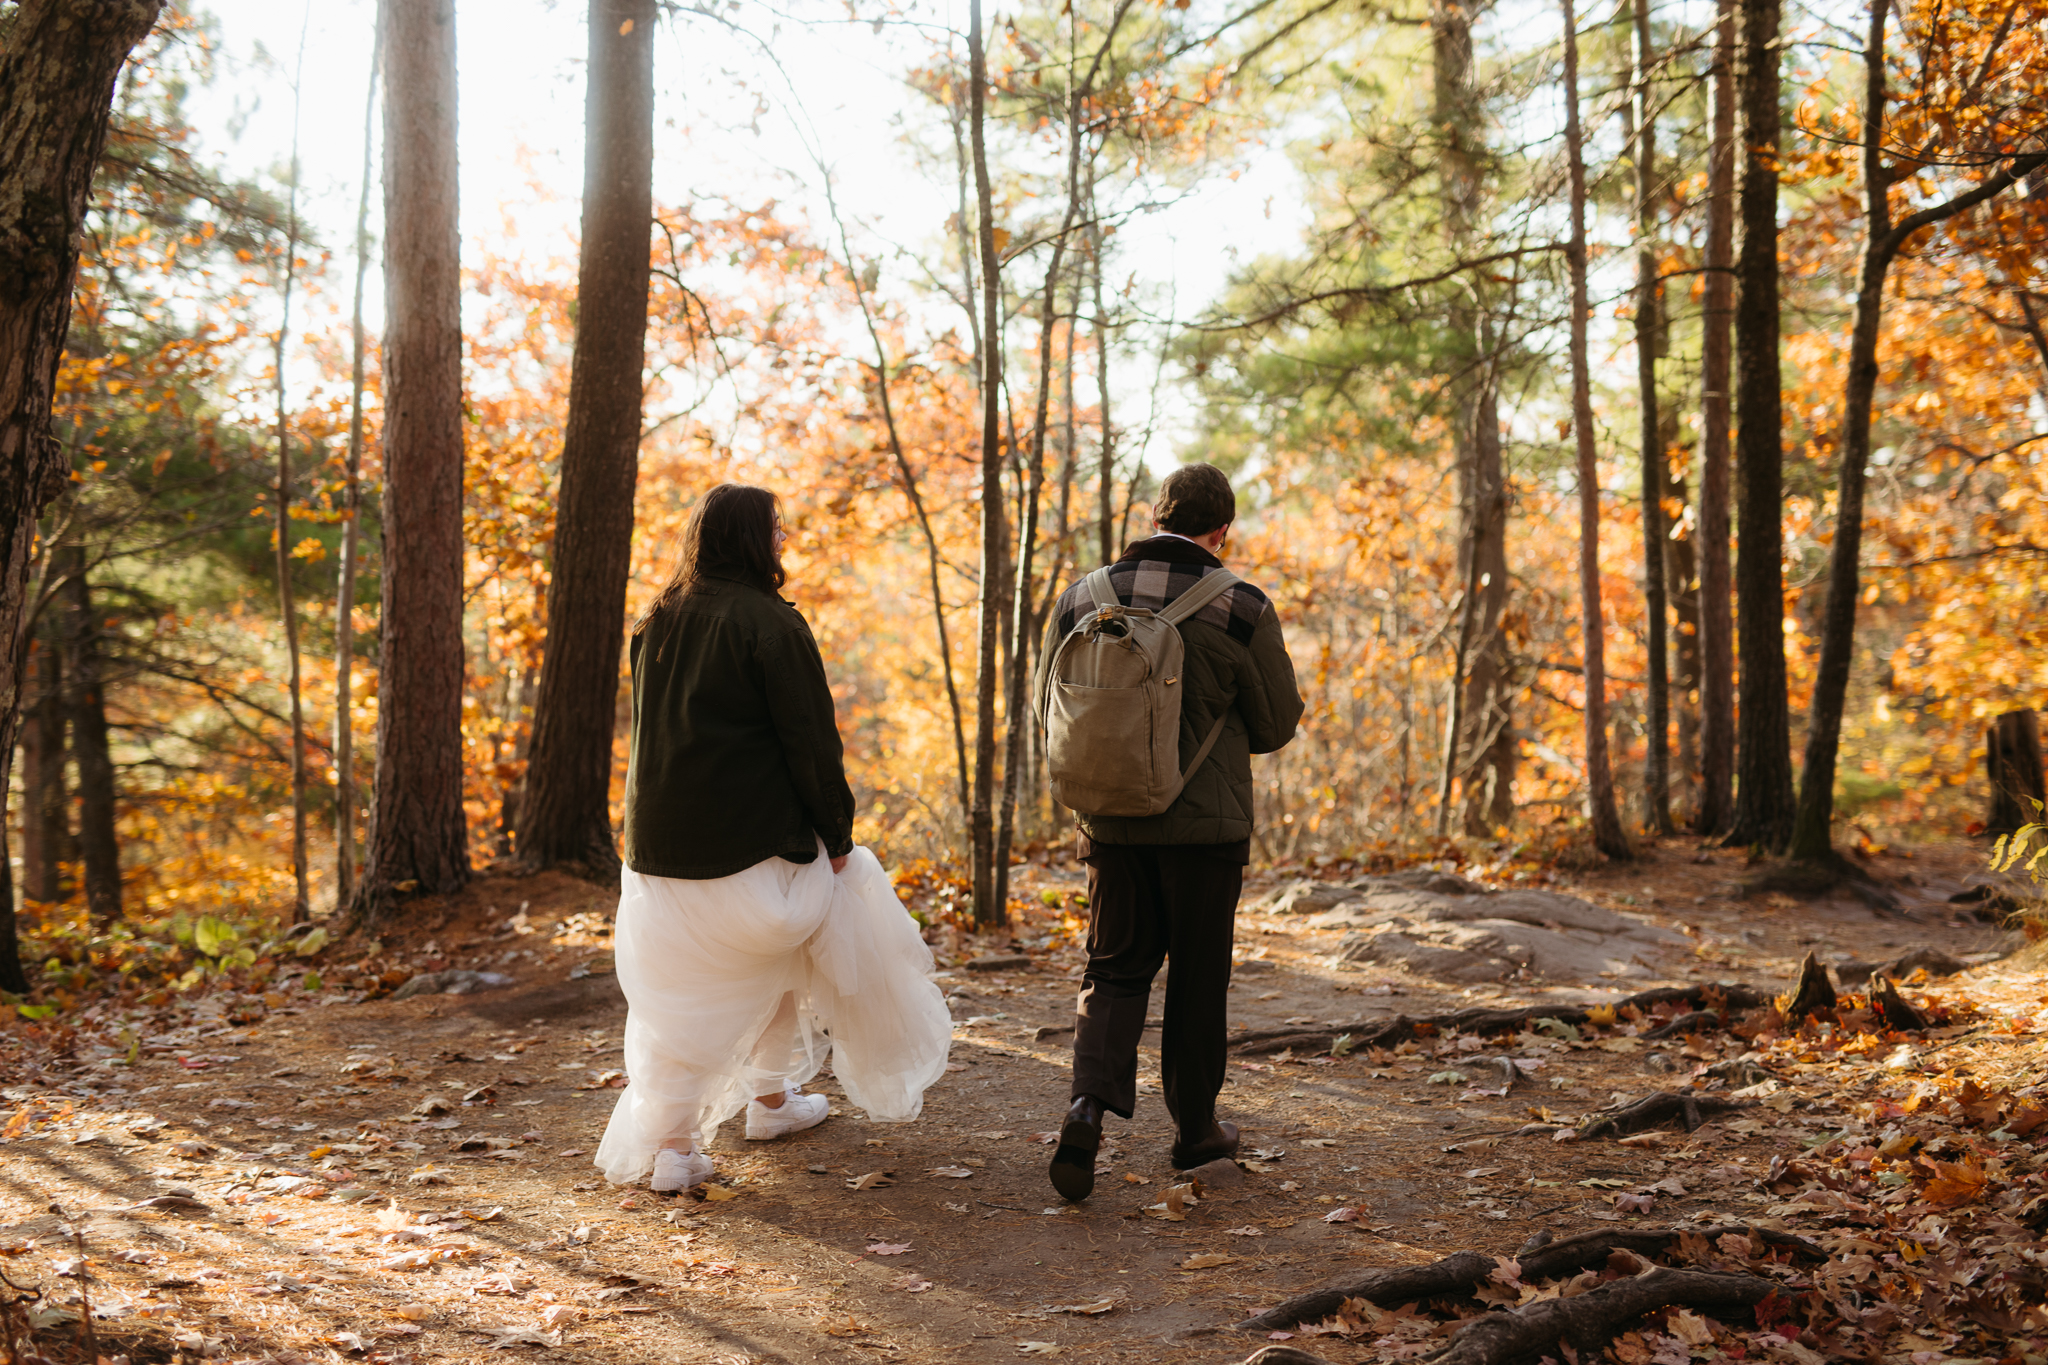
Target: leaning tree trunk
(1480, 747)
(56, 88)
(1763, 802)
(1649, 340)
(1716, 625)
(1608, 836)
(1811, 837)
(565, 816)
(988, 912)
(418, 838)
(2012, 765)
(99, 846)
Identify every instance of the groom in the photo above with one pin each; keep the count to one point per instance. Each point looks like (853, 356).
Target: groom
(1166, 885)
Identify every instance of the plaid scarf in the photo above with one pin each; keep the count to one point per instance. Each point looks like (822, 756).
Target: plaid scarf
(1154, 572)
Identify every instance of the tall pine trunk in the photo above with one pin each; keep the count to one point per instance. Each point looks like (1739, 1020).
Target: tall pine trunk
(418, 838)
(1717, 625)
(99, 846)
(1763, 796)
(1600, 811)
(352, 529)
(565, 816)
(57, 75)
(1649, 341)
(988, 911)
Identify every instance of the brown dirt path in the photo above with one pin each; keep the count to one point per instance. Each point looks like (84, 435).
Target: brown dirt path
(339, 1215)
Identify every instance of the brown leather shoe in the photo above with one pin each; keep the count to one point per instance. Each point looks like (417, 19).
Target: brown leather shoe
(1219, 1141)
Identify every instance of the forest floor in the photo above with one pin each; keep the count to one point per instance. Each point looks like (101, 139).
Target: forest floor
(411, 1180)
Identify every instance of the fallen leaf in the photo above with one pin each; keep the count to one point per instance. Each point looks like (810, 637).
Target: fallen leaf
(574, 1151)
(911, 1284)
(517, 1336)
(996, 1136)
(1089, 1310)
(950, 1172)
(1246, 1231)
(872, 1180)
(1205, 1260)
(718, 1194)
(1038, 1348)
(887, 1248)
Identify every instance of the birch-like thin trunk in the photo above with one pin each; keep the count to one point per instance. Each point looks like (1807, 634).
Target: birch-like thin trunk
(352, 530)
(1105, 474)
(1717, 623)
(1606, 822)
(1649, 340)
(988, 911)
(286, 604)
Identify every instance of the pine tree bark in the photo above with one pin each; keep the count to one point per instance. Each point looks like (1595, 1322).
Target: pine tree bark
(1484, 746)
(1601, 814)
(1716, 624)
(565, 817)
(99, 846)
(418, 836)
(1763, 796)
(46, 843)
(57, 77)
(1812, 840)
(988, 912)
(1649, 341)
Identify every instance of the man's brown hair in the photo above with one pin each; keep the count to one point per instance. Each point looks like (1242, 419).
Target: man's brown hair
(1194, 500)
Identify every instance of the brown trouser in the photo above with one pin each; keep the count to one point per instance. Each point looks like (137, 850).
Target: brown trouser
(1146, 903)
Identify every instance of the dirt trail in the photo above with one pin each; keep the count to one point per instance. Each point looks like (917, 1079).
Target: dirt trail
(410, 1180)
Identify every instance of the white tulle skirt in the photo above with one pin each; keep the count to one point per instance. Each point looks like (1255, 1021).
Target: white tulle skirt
(736, 985)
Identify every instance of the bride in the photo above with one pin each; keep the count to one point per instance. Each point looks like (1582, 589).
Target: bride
(751, 930)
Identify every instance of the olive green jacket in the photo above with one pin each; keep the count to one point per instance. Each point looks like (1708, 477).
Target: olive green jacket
(1236, 666)
(735, 754)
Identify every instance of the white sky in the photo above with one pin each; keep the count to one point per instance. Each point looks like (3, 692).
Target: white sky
(521, 123)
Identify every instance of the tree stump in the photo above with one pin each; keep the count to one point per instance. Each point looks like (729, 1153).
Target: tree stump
(2012, 763)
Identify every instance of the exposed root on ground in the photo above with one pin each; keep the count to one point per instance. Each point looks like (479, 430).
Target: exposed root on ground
(1707, 997)
(1652, 1111)
(1455, 1277)
(1593, 1318)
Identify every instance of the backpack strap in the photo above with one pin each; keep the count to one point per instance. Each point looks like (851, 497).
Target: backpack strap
(1211, 586)
(1098, 587)
(1201, 757)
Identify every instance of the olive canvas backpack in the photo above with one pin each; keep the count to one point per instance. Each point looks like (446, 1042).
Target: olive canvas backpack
(1110, 703)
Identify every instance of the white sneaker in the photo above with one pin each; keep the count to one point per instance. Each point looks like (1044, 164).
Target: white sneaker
(674, 1170)
(797, 1112)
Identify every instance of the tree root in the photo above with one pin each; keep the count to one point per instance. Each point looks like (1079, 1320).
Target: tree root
(1659, 1108)
(1401, 1028)
(1454, 1277)
(1591, 1319)
(1892, 1007)
(1814, 993)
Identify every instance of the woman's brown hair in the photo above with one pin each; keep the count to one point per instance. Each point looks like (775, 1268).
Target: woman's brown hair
(730, 534)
